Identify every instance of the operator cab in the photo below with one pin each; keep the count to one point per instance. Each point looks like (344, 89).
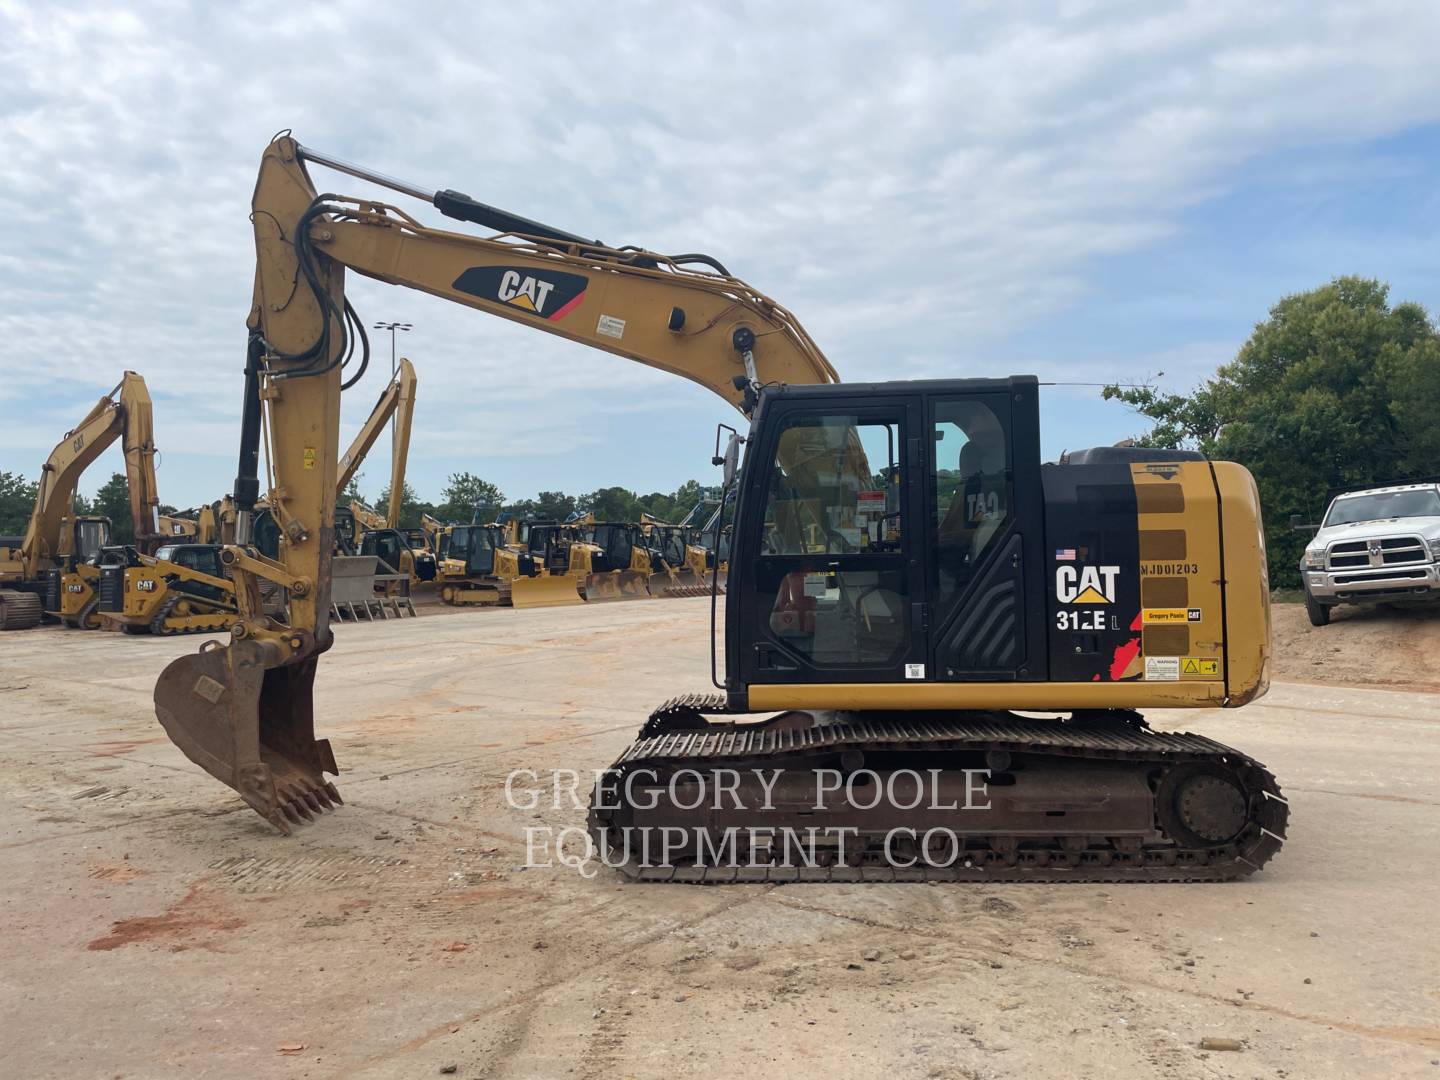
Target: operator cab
(390, 547)
(84, 540)
(549, 545)
(473, 545)
(894, 532)
(615, 542)
(201, 558)
(667, 542)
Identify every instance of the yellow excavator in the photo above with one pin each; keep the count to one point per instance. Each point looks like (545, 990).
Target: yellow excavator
(182, 587)
(915, 601)
(52, 567)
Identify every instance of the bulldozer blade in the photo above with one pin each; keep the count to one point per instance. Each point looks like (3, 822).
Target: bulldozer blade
(249, 722)
(677, 583)
(634, 585)
(602, 587)
(544, 591)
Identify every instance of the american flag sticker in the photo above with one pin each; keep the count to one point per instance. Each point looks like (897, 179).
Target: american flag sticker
(1064, 554)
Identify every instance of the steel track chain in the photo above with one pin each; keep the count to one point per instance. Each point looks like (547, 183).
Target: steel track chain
(677, 734)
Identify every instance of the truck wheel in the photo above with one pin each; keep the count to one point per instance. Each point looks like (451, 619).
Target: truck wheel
(1319, 613)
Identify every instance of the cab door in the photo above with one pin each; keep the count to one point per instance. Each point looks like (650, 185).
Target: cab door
(832, 538)
(985, 510)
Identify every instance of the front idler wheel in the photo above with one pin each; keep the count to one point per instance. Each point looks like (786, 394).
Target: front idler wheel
(1204, 806)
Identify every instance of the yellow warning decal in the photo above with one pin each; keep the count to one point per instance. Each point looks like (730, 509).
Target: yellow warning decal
(1165, 616)
(1200, 665)
(309, 457)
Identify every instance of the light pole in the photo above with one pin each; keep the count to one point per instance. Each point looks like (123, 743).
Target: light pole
(392, 327)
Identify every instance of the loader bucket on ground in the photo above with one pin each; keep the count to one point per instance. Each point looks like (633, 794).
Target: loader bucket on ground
(249, 722)
(544, 591)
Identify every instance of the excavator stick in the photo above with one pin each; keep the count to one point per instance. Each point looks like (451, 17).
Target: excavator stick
(247, 719)
(547, 590)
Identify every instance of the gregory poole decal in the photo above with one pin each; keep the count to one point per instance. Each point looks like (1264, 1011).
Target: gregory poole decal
(547, 294)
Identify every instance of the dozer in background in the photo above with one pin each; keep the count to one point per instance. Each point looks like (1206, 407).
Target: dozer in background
(610, 560)
(914, 598)
(53, 562)
(679, 566)
(478, 568)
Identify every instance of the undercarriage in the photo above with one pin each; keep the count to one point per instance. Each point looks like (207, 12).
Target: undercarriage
(914, 796)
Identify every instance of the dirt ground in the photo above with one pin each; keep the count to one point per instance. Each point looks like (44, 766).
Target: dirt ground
(1363, 646)
(158, 929)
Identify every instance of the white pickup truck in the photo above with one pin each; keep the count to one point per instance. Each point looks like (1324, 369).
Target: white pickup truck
(1374, 546)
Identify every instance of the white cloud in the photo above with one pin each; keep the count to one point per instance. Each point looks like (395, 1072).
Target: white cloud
(914, 182)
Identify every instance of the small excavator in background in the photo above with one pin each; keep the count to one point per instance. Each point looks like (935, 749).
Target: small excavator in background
(182, 587)
(52, 567)
(909, 585)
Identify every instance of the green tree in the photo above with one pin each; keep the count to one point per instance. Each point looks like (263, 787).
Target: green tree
(113, 501)
(411, 508)
(352, 490)
(611, 504)
(1336, 388)
(554, 506)
(17, 503)
(463, 493)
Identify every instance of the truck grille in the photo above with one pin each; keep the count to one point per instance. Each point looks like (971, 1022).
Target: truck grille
(112, 588)
(52, 588)
(1370, 554)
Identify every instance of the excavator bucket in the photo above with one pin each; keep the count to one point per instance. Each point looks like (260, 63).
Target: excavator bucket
(248, 721)
(544, 591)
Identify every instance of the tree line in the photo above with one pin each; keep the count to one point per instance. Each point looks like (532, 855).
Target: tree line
(464, 494)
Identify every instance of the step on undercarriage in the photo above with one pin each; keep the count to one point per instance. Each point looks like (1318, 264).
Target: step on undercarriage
(919, 796)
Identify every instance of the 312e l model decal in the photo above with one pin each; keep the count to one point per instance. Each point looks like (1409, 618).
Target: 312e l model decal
(548, 295)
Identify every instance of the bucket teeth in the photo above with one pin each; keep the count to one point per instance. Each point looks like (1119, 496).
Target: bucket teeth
(333, 792)
(278, 820)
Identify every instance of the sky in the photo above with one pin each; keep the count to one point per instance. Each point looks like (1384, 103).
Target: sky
(1085, 192)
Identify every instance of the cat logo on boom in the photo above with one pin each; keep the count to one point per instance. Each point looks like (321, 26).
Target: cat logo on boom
(1086, 584)
(548, 295)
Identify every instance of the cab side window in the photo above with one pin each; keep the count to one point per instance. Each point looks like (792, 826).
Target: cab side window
(834, 488)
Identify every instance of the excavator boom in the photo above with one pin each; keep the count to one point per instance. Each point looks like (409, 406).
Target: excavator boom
(397, 400)
(243, 712)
